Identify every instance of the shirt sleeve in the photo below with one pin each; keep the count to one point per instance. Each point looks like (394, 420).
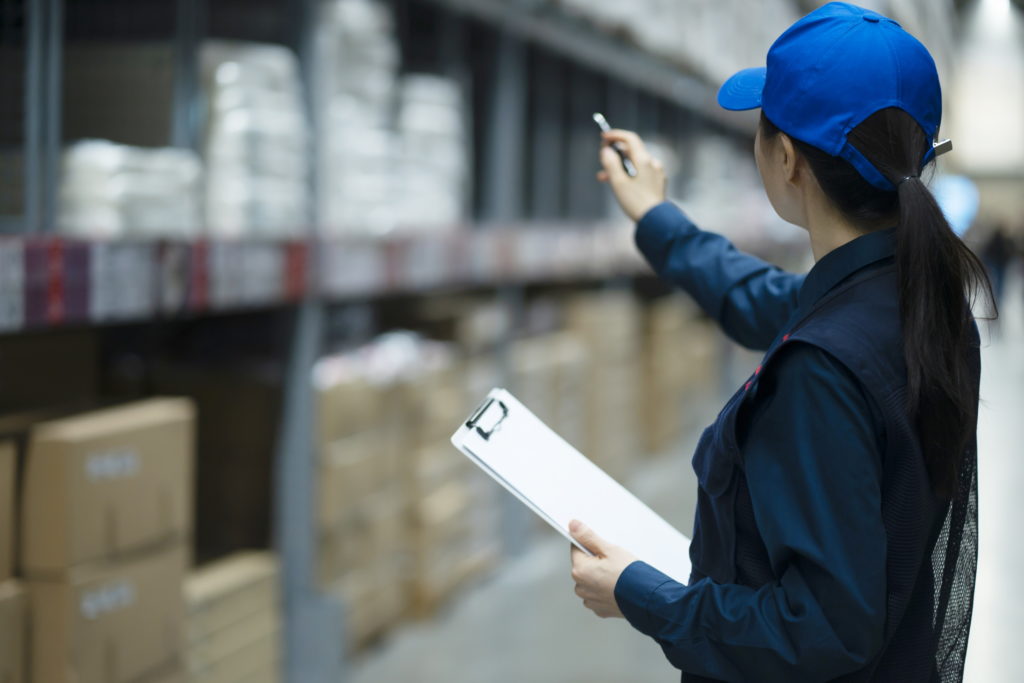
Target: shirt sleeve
(750, 298)
(812, 457)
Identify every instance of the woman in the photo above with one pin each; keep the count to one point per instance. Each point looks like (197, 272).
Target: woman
(835, 535)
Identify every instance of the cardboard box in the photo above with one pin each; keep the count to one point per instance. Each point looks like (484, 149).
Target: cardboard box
(229, 643)
(427, 468)
(437, 580)
(354, 469)
(13, 626)
(434, 403)
(109, 622)
(229, 591)
(8, 473)
(107, 483)
(372, 535)
(174, 673)
(374, 602)
(233, 624)
(349, 407)
(256, 660)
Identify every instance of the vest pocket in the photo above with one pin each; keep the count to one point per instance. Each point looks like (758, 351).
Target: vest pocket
(715, 462)
(716, 456)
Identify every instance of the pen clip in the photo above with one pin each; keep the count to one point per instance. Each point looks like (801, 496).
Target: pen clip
(474, 421)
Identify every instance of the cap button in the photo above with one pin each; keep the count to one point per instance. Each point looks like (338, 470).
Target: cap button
(872, 17)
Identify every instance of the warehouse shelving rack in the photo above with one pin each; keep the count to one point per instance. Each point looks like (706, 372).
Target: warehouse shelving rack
(534, 222)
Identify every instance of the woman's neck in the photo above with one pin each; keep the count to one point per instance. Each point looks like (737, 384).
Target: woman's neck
(829, 229)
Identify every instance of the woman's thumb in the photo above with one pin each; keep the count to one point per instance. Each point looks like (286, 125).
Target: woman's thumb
(586, 536)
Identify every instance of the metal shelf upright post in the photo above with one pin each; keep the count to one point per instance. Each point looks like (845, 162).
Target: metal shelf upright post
(503, 200)
(314, 630)
(42, 113)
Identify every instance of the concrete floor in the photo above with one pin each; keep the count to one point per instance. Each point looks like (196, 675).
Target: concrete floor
(525, 624)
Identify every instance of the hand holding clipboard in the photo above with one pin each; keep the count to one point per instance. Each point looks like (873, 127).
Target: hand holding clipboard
(560, 484)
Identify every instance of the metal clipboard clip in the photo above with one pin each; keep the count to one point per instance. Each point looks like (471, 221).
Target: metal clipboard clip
(474, 421)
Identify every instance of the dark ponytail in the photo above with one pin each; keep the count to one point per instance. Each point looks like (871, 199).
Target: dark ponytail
(936, 273)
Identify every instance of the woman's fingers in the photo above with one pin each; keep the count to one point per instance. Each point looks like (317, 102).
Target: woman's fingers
(632, 144)
(612, 165)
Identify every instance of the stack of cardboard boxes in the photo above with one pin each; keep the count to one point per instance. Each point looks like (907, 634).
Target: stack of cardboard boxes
(548, 374)
(404, 520)
(453, 514)
(608, 324)
(12, 594)
(233, 620)
(361, 506)
(680, 370)
(105, 521)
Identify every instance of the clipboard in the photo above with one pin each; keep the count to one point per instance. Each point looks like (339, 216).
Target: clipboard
(560, 484)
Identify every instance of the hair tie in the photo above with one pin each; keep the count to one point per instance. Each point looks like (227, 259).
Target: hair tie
(906, 178)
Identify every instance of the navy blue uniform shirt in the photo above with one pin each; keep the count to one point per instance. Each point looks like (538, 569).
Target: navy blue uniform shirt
(812, 444)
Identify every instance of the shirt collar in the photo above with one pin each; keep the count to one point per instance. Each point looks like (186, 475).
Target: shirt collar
(838, 264)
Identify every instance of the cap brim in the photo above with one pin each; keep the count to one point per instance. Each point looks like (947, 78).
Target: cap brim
(743, 90)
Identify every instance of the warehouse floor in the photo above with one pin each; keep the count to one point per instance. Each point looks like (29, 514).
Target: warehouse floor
(491, 633)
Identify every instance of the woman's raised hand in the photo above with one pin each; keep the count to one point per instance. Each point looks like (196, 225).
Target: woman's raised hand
(636, 195)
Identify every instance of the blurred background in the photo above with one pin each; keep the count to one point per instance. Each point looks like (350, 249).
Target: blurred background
(261, 257)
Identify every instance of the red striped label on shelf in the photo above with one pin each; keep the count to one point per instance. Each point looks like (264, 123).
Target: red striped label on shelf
(297, 273)
(199, 276)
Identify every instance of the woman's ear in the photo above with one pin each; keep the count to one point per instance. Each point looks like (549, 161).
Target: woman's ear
(790, 159)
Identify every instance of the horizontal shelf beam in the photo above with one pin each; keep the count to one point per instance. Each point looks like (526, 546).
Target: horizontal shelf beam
(51, 282)
(606, 54)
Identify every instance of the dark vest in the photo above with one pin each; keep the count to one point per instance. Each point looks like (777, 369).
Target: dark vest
(858, 323)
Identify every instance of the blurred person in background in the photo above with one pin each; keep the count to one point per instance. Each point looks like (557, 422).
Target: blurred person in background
(997, 254)
(836, 531)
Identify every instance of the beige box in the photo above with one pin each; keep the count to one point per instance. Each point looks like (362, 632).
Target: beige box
(353, 469)
(370, 536)
(433, 402)
(13, 626)
(227, 644)
(427, 468)
(173, 673)
(8, 473)
(108, 622)
(229, 591)
(439, 579)
(105, 483)
(374, 602)
(257, 659)
(349, 407)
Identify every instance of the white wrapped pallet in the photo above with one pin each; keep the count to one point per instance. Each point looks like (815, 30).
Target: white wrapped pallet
(257, 141)
(111, 190)
(359, 160)
(432, 122)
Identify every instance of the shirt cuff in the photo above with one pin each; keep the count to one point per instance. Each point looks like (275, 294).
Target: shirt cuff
(634, 589)
(658, 227)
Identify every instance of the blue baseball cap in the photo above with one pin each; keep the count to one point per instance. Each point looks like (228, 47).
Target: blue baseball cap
(833, 69)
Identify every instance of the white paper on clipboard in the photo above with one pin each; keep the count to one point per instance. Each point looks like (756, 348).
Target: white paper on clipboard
(560, 484)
